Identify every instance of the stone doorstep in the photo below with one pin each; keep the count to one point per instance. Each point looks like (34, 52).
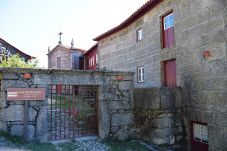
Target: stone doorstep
(152, 147)
(86, 138)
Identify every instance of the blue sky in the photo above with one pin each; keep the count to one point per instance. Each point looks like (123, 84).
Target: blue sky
(33, 25)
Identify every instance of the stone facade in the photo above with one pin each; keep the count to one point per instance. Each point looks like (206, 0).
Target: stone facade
(69, 57)
(159, 116)
(115, 101)
(199, 25)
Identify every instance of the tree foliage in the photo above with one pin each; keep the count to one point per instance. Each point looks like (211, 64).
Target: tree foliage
(15, 61)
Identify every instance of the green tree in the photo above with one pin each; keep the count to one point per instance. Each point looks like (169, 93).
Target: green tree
(15, 61)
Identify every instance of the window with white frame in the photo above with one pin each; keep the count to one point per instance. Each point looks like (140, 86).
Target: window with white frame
(96, 58)
(200, 133)
(93, 60)
(140, 74)
(140, 34)
(168, 21)
(89, 62)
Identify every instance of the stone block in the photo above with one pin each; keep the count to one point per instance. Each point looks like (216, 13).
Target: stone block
(14, 84)
(3, 126)
(160, 141)
(161, 132)
(16, 113)
(42, 124)
(125, 85)
(119, 105)
(42, 79)
(167, 98)
(104, 120)
(147, 98)
(124, 119)
(123, 134)
(11, 76)
(18, 130)
(162, 122)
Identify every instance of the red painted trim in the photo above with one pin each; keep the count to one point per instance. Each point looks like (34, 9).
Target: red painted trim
(196, 145)
(140, 12)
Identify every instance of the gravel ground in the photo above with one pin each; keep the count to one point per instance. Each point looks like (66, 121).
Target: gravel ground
(6, 145)
(75, 145)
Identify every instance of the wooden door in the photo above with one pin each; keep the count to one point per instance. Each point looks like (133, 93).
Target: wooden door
(199, 139)
(170, 73)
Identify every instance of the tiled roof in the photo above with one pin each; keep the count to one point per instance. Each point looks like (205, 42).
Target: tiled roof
(17, 50)
(140, 12)
(69, 48)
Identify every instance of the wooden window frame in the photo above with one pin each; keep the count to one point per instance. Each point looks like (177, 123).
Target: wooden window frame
(140, 76)
(138, 38)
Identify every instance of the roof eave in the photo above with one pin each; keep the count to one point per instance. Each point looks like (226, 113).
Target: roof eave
(140, 12)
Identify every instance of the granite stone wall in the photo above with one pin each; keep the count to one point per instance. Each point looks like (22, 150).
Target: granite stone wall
(159, 116)
(199, 25)
(115, 101)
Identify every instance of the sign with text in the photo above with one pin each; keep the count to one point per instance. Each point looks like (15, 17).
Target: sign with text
(17, 94)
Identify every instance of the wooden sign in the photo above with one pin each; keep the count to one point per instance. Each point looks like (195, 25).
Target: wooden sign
(17, 94)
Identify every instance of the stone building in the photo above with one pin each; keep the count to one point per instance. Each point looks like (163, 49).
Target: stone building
(178, 43)
(64, 57)
(6, 50)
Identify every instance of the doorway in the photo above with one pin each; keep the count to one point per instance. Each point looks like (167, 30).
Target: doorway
(170, 73)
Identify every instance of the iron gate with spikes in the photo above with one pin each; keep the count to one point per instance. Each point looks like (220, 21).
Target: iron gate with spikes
(72, 111)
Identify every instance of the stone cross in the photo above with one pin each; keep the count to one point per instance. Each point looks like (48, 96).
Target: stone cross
(60, 37)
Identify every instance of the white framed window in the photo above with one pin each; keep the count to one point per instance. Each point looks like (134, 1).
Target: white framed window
(168, 21)
(200, 133)
(140, 74)
(96, 58)
(89, 62)
(93, 60)
(140, 34)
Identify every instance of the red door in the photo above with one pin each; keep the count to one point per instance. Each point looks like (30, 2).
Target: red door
(199, 135)
(58, 88)
(170, 73)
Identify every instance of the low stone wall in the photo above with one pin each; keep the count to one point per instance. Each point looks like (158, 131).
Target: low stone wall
(115, 102)
(159, 116)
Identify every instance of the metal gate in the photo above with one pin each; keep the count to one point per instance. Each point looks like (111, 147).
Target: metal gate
(72, 112)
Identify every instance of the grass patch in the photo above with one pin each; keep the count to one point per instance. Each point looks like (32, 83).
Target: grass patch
(37, 146)
(124, 146)
(20, 143)
(13, 139)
